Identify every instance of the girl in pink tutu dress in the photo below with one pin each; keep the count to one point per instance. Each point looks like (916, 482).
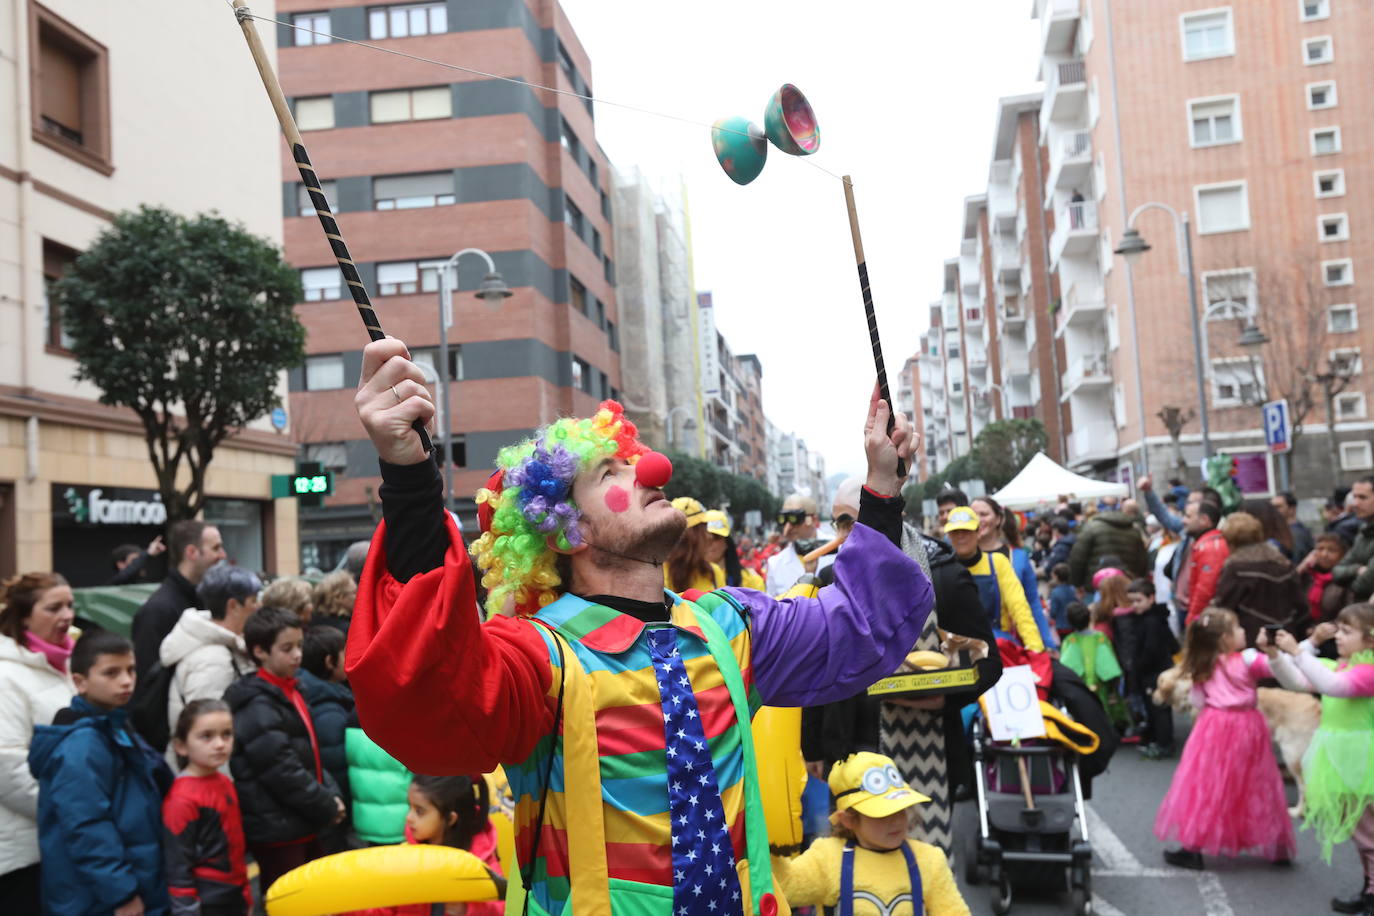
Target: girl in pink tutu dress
(1227, 795)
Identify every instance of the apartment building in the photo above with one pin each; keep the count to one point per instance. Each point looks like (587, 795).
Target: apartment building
(1230, 121)
(752, 432)
(936, 423)
(96, 127)
(424, 162)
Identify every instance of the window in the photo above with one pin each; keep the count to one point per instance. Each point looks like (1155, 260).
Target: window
(606, 206)
(1356, 456)
(1333, 227)
(1330, 184)
(577, 295)
(953, 351)
(315, 113)
(332, 456)
(1342, 318)
(1346, 363)
(572, 215)
(1230, 294)
(1207, 34)
(1215, 121)
(458, 450)
(1338, 273)
(411, 105)
(1314, 9)
(1235, 381)
(398, 278)
(1326, 140)
(608, 269)
(581, 375)
(407, 192)
(324, 373)
(613, 335)
(322, 283)
(71, 95)
(600, 314)
(596, 242)
(1222, 207)
(1317, 51)
(1321, 95)
(316, 23)
(407, 21)
(568, 137)
(304, 205)
(1350, 406)
(56, 259)
(428, 360)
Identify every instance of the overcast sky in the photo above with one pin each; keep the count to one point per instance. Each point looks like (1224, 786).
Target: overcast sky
(905, 94)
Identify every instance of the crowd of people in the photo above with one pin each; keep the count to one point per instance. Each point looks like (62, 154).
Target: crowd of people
(236, 687)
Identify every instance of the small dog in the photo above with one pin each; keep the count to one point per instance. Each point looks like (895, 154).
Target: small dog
(1292, 718)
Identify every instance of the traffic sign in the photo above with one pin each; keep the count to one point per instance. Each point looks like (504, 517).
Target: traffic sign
(279, 418)
(1278, 434)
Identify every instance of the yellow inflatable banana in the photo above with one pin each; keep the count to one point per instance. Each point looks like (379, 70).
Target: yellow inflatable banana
(381, 876)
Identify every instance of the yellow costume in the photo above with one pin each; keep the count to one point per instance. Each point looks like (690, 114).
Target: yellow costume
(882, 887)
(857, 881)
(1016, 613)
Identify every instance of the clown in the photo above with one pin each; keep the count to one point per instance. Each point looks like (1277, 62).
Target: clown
(619, 710)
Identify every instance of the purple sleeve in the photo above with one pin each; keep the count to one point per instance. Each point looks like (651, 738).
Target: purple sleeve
(808, 651)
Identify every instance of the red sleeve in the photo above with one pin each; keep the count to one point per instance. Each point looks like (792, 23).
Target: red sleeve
(440, 691)
(1207, 563)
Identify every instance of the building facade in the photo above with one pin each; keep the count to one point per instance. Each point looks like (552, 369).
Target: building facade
(94, 121)
(1237, 122)
(424, 162)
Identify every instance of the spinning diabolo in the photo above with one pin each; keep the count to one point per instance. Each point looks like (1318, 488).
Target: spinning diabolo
(788, 122)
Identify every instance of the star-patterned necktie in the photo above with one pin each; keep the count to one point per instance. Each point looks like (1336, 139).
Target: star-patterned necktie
(705, 882)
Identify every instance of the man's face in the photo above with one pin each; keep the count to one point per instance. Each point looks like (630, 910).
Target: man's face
(942, 515)
(1362, 501)
(209, 552)
(1195, 522)
(965, 542)
(285, 658)
(843, 518)
(623, 518)
(1288, 512)
(109, 684)
(794, 531)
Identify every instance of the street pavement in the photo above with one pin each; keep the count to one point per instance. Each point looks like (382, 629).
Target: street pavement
(1130, 877)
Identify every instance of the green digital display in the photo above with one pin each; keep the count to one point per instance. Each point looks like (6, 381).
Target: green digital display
(313, 484)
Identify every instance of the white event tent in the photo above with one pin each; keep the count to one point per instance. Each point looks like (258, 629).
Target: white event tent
(1044, 481)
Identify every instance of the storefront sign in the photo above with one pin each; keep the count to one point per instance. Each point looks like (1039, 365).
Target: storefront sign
(107, 506)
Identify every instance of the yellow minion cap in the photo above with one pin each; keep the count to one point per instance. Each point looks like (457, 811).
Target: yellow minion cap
(871, 785)
(695, 511)
(717, 522)
(962, 519)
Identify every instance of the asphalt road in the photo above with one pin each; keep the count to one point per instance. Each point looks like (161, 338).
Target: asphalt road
(1130, 877)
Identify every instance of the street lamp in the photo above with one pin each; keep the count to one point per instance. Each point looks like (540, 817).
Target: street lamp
(1131, 248)
(492, 291)
(687, 424)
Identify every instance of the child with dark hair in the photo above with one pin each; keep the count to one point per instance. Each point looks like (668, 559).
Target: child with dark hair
(325, 686)
(100, 789)
(206, 872)
(450, 811)
(1088, 653)
(1154, 648)
(1062, 594)
(288, 797)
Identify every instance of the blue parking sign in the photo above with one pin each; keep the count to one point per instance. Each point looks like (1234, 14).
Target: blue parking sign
(1278, 435)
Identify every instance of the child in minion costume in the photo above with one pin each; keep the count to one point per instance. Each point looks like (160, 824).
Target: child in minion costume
(869, 867)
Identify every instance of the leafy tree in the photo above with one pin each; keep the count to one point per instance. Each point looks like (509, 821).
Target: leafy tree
(714, 487)
(1004, 447)
(192, 315)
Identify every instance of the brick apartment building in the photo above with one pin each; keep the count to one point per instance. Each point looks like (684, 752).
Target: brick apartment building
(423, 162)
(1249, 119)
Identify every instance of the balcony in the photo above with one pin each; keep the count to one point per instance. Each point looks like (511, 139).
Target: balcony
(1015, 362)
(1058, 26)
(1066, 91)
(1083, 307)
(1085, 374)
(1073, 162)
(1023, 413)
(973, 318)
(1075, 231)
(1013, 314)
(1093, 442)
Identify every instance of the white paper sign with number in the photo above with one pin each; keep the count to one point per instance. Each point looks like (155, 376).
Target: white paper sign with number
(1013, 707)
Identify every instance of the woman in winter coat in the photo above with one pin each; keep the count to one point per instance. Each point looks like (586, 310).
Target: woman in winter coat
(34, 685)
(1257, 582)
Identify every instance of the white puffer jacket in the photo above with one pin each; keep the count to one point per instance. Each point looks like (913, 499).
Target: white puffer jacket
(31, 693)
(208, 658)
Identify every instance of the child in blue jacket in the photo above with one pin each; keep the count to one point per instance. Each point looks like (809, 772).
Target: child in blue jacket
(100, 789)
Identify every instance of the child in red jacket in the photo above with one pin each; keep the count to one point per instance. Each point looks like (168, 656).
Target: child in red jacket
(450, 811)
(206, 873)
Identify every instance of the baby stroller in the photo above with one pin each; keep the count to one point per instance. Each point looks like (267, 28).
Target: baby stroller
(1031, 830)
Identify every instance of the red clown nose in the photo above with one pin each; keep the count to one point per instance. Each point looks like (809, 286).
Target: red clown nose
(653, 470)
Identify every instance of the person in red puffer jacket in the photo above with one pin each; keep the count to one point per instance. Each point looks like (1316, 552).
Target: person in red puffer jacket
(450, 811)
(1205, 559)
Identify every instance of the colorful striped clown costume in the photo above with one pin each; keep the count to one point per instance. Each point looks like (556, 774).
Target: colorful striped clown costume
(626, 737)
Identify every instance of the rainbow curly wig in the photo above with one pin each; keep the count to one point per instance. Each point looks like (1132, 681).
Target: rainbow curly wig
(528, 506)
